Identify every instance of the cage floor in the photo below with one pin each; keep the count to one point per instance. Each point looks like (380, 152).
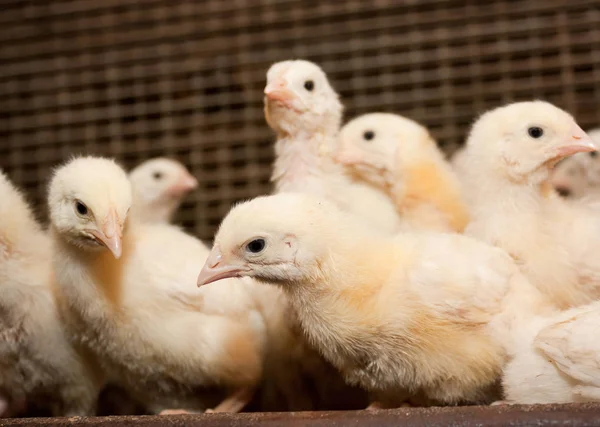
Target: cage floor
(573, 415)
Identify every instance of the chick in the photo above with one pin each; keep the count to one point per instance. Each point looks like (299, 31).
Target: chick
(399, 156)
(556, 359)
(510, 154)
(37, 363)
(127, 300)
(159, 186)
(422, 312)
(305, 112)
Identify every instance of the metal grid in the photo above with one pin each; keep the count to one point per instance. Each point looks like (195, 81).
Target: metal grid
(135, 79)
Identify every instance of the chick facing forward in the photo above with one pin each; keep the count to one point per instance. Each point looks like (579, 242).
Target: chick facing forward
(159, 185)
(38, 365)
(423, 312)
(399, 156)
(126, 294)
(305, 112)
(508, 160)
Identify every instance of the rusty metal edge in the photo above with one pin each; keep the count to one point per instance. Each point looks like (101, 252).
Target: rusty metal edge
(574, 415)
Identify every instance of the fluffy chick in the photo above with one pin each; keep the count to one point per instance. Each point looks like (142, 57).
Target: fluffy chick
(159, 186)
(306, 113)
(428, 313)
(510, 154)
(556, 359)
(37, 363)
(126, 295)
(399, 156)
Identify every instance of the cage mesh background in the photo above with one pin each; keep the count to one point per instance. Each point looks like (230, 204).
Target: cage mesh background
(183, 78)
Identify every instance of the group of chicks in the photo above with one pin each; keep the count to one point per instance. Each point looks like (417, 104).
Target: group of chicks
(378, 274)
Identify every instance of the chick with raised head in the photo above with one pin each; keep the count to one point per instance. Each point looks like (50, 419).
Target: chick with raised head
(424, 312)
(556, 359)
(159, 185)
(37, 363)
(125, 290)
(306, 113)
(399, 155)
(510, 154)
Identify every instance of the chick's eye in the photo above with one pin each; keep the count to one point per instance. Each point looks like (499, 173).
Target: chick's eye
(81, 208)
(256, 246)
(369, 135)
(157, 175)
(593, 154)
(535, 132)
(309, 85)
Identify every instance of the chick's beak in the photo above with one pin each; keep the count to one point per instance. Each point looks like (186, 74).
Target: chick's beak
(186, 183)
(279, 91)
(216, 268)
(110, 234)
(577, 142)
(348, 155)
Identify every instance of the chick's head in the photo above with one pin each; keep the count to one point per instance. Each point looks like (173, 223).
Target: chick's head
(276, 239)
(524, 141)
(299, 98)
(378, 146)
(160, 184)
(89, 199)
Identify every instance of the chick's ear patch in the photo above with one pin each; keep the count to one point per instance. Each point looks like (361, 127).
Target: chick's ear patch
(290, 246)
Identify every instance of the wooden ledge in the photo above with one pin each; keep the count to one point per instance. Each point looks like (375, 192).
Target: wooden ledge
(574, 415)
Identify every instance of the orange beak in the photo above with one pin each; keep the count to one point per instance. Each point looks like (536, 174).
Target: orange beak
(579, 142)
(278, 91)
(110, 234)
(216, 268)
(348, 155)
(185, 184)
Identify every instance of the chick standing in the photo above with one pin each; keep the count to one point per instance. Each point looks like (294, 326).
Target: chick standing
(509, 156)
(37, 363)
(399, 156)
(126, 295)
(429, 313)
(305, 112)
(158, 187)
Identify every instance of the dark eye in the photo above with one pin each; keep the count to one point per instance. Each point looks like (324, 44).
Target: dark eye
(157, 175)
(309, 85)
(256, 246)
(593, 153)
(535, 132)
(81, 208)
(369, 135)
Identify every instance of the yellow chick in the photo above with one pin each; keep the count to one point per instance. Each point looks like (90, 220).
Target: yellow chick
(423, 312)
(305, 112)
(509, 157)
(126, 297)
(37, 363)
(399, 156)
(159, 186)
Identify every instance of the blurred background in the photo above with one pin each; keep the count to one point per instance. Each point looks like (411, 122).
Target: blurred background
(136, 79)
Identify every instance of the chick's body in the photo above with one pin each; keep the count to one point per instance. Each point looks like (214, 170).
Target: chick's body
(555, 359)
(307, 123)
(37, 362)
(428, 313)
(161, 340)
